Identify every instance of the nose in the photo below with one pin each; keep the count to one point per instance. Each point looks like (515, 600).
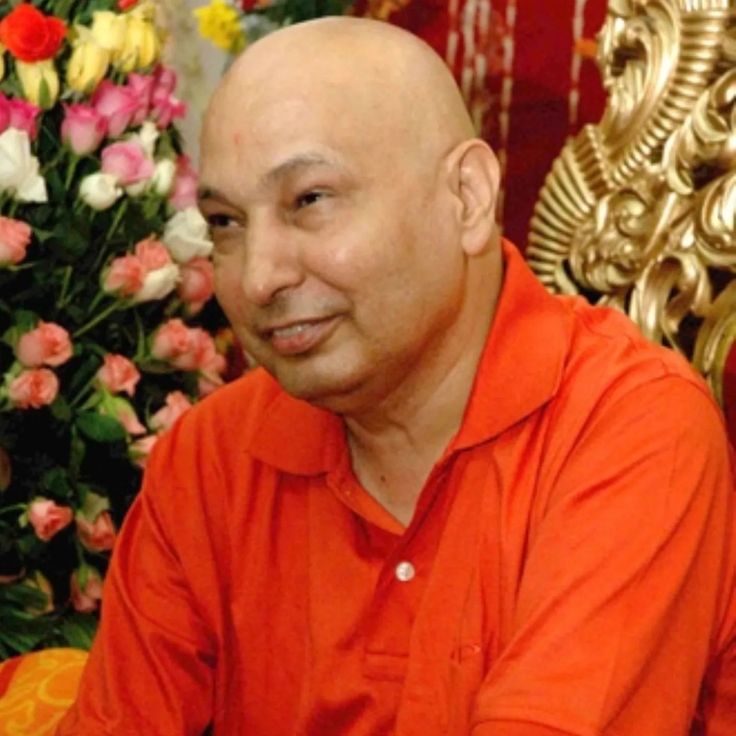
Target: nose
(271, 262)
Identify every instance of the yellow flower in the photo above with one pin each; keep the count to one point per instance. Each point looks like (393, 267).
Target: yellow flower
(88, 62)
(142, 46)
(108, 30)
(39, 80)
(218, 22)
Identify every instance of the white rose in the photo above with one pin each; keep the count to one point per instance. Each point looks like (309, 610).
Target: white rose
(135, 190)
(163, 177)
(99, 191)
(146, 137)
(19, 168)
(158, 283)
(186, 235)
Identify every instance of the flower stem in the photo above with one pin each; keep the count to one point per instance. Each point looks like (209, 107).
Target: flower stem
(104, 314)
(71, 169)
(14, 507)
(117, 219)
(65, 286)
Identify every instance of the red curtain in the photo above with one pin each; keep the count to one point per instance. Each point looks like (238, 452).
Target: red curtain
(528, 74)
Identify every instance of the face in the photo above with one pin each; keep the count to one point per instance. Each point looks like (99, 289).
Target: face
(335, 255)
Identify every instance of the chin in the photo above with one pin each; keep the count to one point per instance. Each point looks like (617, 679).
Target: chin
(336, 391)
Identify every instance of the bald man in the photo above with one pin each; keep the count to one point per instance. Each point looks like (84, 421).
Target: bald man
(446, 503)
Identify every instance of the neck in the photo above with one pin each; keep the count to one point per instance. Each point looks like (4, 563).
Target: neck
(395, 442)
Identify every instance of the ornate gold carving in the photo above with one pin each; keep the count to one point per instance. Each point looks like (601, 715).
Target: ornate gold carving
(639, 211)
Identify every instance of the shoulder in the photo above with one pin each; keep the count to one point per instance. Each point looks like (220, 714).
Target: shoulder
(223, 423)
(626, 407)
(609, 359)
(236, 409)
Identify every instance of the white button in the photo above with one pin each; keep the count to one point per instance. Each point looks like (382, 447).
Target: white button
(405, 571)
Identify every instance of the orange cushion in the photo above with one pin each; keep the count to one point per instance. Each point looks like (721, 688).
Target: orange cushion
(40, 688)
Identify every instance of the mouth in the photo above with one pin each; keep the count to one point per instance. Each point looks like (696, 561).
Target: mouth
(297, 338)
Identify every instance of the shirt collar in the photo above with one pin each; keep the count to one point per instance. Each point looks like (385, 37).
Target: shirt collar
(519, 370)
(521, 365)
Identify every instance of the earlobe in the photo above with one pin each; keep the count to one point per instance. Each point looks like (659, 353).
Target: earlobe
(476, 181)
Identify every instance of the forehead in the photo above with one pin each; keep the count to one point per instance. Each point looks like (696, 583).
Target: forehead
(257, 137)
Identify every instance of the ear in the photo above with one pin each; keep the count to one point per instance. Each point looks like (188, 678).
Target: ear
(474, 180)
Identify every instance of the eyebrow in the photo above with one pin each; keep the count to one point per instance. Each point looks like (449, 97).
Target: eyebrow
(291, 165)
(296, 163)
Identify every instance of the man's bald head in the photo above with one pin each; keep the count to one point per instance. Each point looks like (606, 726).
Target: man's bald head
(390, 84)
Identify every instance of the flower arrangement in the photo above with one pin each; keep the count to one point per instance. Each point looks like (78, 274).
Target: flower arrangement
(105, 316)
(229, 24)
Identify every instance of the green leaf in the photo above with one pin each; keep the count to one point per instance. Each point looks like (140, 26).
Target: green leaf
(94, 505)
(24, 321)
(22, 596)
(55, 482)
(21, 631)
(60, 409)
(100, 428)
(79, 630)
(30, 546)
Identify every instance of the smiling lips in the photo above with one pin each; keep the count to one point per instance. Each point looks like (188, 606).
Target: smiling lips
(300, 337)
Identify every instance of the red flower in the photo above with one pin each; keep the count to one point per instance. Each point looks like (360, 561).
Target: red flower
(126, 4)
(30, 35)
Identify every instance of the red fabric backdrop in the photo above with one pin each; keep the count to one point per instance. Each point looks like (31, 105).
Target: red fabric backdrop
(521, 64)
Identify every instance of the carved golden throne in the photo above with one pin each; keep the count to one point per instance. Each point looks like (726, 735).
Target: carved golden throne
(639, 211)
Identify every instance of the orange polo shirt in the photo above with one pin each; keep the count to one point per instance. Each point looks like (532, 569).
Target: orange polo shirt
(568, 569)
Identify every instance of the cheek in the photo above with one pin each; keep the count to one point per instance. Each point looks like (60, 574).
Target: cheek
(228, 289)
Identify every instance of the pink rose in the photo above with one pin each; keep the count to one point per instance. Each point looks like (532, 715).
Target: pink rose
(142, 86)
(164, 82)
(124, 276)
(176, 404)
(186, 348)
(170, 340)
(153, 253)
(47, 344)
(127, 162)
(164, 112)
(197, 281)
(117, 104)
(47, 518)
(210, 373)
(4, 112)
(202, 353)
(23, 116)
(141, 449)
(15, 237)
(83, 128)
(86, 600)
(118, 374)
(184, 191)
(98, 536)
(33, 389)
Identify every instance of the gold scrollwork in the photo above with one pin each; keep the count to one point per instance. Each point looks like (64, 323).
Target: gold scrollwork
(639, 211)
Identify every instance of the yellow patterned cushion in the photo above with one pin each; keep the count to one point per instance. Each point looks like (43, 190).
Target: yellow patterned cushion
(41, 688)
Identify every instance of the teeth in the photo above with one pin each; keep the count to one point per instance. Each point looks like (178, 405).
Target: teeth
(291, 330)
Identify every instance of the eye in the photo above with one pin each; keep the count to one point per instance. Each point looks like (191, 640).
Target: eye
(219, 221)
(308, 198)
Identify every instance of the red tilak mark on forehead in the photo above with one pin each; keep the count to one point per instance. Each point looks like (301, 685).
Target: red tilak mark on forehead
(236, 138)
